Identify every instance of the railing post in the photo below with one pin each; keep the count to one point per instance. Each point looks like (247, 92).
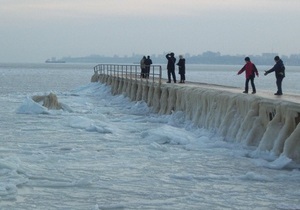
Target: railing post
(160, 75)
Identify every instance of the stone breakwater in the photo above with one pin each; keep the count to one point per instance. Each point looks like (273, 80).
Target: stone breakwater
(267, 124)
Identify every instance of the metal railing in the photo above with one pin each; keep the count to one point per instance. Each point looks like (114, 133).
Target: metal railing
(130, 71)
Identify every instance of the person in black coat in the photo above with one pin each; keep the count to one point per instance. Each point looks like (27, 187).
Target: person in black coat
(171, 67)
(143, 67)
(279, 74)
(148, 63)
(181, 68)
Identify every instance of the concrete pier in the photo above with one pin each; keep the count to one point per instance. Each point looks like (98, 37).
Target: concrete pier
(267, 122)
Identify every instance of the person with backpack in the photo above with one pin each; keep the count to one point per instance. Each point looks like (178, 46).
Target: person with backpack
(251, 71)
(279, 70)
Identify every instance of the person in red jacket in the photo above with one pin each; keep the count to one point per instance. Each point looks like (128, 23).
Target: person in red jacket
(251, 71)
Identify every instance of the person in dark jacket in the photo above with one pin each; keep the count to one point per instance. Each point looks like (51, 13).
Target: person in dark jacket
(181, 68)
(251, 71)
(148, 63)
(143, 67)
(279, 74)
(171, 67)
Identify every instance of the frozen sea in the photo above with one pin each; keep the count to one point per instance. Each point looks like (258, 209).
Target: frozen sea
(107, 152)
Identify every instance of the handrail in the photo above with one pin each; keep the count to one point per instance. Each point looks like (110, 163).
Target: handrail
(129, 71)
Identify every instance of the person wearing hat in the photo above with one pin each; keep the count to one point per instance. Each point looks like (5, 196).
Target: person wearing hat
(279, 74)
(251, 71)
(171, 67)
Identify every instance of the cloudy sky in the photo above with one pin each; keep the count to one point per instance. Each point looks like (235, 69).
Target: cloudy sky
(34, 30)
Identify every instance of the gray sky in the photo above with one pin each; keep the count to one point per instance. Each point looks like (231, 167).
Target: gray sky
(34, 30)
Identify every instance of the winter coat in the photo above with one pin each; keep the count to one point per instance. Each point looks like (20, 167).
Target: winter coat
(279, 69)
(148, 62)
(171, 62)
(142, 63)
(181, 66)
(250, 69)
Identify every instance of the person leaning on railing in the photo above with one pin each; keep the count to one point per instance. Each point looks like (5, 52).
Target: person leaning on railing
(143, 67)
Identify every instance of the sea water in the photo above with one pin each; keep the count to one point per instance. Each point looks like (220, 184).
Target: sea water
(107, 152)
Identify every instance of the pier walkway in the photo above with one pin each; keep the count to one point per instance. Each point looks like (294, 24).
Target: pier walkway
(134, 72)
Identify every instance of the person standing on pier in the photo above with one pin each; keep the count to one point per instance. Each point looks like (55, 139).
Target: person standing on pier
(251, 70)
(143, 67)
(181, 68)
(279, 74)
(148, 63)
(171, 67)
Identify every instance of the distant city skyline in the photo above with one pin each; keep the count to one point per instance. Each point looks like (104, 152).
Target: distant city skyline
(207, 57)
(32, 31)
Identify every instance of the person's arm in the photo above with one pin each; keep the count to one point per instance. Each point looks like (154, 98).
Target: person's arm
(255, 70)
(242, 70)
(271, 70)
(179, 63)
